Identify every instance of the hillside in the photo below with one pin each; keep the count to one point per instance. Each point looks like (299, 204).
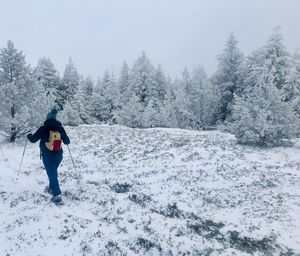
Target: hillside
(152, 192)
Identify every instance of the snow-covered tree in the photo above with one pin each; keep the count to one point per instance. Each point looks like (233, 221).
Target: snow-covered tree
(112, 97)
(86, 89)
(131, 114)
(142, 79)
(145, 87)
(227, 77)
(203, 101)
(158, 90)
(23, 100)
(40, 104)
(167, 111)
(180, 101)
(293, 93)
(261, 118)
(46, 74)
(277, 60)
(70, 115)
(278, 67)
(79, 109)
(196, 102)
(263, 114)
(69, 84)
(124, 80)
(153, 115)
(97, 102)
(254, 67)
(105, 98)
(123, 89)
(14, 95)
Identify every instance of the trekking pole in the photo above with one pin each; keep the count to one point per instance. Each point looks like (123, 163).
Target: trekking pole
(4, 158)
(71, 157)
(22, 157)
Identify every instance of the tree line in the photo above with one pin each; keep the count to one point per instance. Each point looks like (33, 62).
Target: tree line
(255, 97)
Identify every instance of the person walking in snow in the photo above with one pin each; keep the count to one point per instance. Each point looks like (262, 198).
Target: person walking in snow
(51, 136)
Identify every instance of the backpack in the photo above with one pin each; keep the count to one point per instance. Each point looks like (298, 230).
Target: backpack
(54, 143)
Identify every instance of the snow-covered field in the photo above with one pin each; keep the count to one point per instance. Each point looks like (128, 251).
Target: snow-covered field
(152, 192)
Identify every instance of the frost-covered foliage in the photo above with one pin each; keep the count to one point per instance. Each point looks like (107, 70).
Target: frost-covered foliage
(69, 84)
(276, 60)
(202, 100)
(23, 100)
(143, 96)
(292, 91)
(262, 118)
(105, 98)
(195, 100)
(71, 113)
(142, 83)
(263, 114)
(46, 74)
(131, 114)
(86, 89)
(228, 77)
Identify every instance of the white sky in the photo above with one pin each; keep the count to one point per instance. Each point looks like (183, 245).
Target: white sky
(99, 34)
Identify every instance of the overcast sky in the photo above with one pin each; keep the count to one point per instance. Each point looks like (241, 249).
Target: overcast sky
(100, 34)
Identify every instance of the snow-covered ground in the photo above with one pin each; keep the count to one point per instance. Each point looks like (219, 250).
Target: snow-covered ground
(152, 192)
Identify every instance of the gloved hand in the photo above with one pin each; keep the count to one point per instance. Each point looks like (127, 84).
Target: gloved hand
(29, 136)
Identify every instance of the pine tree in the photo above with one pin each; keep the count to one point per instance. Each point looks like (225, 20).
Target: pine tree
(105, 99)
(227, 77)
(123, 90)
(131, 114)
(151, 116)
(23, 99)
(156, 96)
(277, 60)
(69, 84)
(261, 118)
(97, 102)
(273, 62)
(158, 89)
(263, 114)
(144, 87)
(71, 114)
(142, 79)
(86, 89)
(182, 90)
(167, 111)
(124, 80)
(196, 102)
(46, 74)
(293, 94)
(203, 100)
(14, 94)
(79, 110)
(39, 103)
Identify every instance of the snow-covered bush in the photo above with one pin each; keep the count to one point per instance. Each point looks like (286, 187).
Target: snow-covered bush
(261, 118)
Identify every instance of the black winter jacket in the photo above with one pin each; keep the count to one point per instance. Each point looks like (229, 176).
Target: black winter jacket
(43, 135)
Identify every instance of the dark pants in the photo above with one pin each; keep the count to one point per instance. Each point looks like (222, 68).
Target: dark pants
(51, 163)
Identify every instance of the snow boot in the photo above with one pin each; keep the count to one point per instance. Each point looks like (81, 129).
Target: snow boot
(48, 190)
(57, 200)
